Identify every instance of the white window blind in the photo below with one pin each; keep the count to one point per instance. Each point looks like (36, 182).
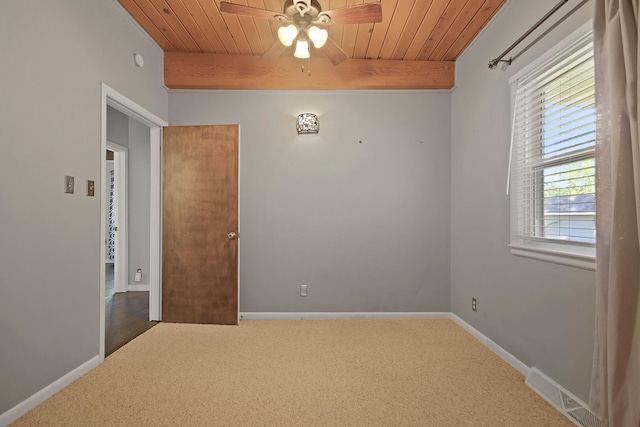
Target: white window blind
(553, 162)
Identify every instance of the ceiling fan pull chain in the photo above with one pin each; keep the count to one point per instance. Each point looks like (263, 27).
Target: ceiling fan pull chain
(308, 68)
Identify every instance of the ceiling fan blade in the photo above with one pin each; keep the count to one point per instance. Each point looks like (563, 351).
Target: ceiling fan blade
(334, 53)
(274, 51)
(240, 9)
(359, 14)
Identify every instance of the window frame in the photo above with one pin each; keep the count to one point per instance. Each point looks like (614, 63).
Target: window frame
(574, 254)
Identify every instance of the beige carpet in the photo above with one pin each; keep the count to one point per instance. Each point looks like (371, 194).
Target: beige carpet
(400, 372)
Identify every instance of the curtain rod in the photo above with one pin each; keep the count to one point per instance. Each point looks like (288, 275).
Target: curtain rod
(494, 62)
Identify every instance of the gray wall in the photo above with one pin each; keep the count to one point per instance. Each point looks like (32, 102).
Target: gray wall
(139, 202)
(55, 55)
(542, 313)
(364, 225)
(117, 127)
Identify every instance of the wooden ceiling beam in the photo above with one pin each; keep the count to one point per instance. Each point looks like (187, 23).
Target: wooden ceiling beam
(248, 72)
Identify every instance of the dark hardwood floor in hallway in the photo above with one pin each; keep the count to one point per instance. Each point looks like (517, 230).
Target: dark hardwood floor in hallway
(127, 315)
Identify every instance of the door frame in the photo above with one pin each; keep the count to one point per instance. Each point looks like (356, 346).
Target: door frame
(114, 99)
(121, 258)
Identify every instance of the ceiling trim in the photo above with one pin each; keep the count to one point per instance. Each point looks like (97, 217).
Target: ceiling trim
(248, 72)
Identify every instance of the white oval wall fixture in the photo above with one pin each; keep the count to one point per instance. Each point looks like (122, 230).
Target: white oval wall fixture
(138, 59)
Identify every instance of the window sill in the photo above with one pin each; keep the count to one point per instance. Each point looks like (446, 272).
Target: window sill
(585, 261)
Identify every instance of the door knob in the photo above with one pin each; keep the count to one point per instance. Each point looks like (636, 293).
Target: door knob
(232, 235)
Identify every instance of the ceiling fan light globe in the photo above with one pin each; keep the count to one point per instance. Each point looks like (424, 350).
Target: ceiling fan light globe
(302, 49)
(318, 36)
(287, 34)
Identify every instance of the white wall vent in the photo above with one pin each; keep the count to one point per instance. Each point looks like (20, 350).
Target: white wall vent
(569, 405)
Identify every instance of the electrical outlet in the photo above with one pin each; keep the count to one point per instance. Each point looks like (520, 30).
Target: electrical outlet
(474, 305)
(138, 275)
(91, 188)
(303, 290)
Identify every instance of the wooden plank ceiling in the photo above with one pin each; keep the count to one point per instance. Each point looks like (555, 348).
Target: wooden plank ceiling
(414, 47)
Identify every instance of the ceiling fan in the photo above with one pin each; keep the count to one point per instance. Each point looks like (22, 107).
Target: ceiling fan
(304, 22)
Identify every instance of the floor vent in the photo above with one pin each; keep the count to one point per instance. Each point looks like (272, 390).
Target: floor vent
(562, 400)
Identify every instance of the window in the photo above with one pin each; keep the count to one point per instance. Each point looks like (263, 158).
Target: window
(553, 164)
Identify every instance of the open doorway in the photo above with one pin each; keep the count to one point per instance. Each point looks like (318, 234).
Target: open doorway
(127, 213)
(146, 287)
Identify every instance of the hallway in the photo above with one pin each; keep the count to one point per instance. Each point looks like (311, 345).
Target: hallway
(126, 314)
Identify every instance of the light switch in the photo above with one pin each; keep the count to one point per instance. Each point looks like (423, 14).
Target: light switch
(68, 184)
(91, 188)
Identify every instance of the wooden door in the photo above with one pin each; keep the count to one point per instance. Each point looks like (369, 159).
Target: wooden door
(199, 224)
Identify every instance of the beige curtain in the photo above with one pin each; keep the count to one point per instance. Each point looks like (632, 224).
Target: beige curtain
(615, 384)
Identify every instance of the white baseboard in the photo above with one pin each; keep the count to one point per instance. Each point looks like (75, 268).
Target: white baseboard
(341, 315)
(138, 287)
(501, 352)
(25, 406)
